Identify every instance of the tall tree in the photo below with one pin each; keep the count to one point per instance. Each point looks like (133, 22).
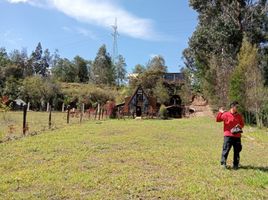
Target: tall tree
(157, 63)
(213, 48)
(138, 69)
(65, 71)
(4, 60)
(82, 67)
(46, 63)
(103, 71)
(36, 59)
(247, 83)
(120, 70)
(19, 61)
(256, 93)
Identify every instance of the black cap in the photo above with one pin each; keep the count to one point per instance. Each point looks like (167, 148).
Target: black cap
(233, 104)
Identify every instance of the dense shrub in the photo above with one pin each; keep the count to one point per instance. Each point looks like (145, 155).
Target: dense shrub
(163, 113)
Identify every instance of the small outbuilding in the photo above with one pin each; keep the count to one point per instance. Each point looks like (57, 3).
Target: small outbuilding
(140, 104)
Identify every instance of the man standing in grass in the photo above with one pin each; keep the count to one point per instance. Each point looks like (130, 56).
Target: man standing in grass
(233, 124)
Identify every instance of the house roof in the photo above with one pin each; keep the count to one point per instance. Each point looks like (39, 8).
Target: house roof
(173, 76)
(130, 99)
(20, 102)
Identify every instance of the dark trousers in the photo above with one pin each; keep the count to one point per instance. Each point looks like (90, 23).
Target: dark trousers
(228, 143)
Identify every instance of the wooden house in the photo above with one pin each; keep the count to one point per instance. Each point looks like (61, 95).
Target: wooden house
(140, 104)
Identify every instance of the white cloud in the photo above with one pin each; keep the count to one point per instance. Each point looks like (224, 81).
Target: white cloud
(101, 13)
(82, 31)
(38, 3)
(18, 1)
(10, 38)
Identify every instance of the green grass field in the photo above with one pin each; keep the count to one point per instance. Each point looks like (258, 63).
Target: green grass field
(11, 122)
(133, 159)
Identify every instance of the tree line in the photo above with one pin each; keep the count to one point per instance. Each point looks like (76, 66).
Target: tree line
(37, 77)
(228, 55)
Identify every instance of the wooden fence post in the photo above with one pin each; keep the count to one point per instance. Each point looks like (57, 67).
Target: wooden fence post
(49, 117)
(82, 112)
(48, 104)
(89, 113)
(25, 108)
(62, 108)
(102, 113)
(68, 114)
(28, 106)
(83, 108)
(96, 112)
(99, 113)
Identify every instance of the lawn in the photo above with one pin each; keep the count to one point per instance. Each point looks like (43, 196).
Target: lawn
(133, 159)
(11, 122)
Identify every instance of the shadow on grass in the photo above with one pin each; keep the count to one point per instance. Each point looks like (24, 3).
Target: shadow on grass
(264, 169)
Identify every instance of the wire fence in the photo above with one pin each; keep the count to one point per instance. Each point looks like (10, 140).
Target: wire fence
(14, 126)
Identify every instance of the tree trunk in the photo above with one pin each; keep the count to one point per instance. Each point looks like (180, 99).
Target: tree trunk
(62, 108)
(68, 115)
(24, 119)
(28, 106)
(48, 107)
(49, 117)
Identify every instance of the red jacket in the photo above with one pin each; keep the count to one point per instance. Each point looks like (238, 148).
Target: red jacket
(230, 121)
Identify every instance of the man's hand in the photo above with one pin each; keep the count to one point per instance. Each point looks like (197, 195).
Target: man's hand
(221, 110)
(238, 125)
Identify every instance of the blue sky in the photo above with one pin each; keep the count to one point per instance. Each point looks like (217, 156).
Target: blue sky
(80, 27)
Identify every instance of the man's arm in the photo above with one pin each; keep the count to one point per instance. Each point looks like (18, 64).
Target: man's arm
(220, 116)
(241, 121)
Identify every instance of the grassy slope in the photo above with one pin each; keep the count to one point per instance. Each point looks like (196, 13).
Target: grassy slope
(37, 122)
(176, 159)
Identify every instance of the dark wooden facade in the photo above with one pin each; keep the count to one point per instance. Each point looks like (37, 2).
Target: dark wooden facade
(140, 104)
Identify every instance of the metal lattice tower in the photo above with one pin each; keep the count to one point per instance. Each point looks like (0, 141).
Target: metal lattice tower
(115, 35)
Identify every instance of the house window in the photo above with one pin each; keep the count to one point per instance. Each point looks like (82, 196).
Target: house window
(139, 95)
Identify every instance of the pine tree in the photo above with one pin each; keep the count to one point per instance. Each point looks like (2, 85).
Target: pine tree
(36, 59)
(103, 71)
(120, 70)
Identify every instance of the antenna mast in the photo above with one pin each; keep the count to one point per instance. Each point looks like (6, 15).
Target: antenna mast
(115, 35)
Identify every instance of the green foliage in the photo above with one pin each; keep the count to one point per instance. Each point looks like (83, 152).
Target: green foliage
(138, 69)
(148, 80)
(65, 71)
(14, 70)
(163, 113)
(161, 92)
(121, 71)
(31, 89)
(36, 60)
(12, 88)
(264, 63)
(186, 90)
(157, 63)
(213, 47)
(36, 90)
(82, 69)
(3, 111)
(4, 60)
(237, 88)
(89, 93)
(18, 66)
(247, 82)
(103, 70)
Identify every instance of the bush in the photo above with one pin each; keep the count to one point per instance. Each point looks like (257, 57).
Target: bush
(163, 113)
